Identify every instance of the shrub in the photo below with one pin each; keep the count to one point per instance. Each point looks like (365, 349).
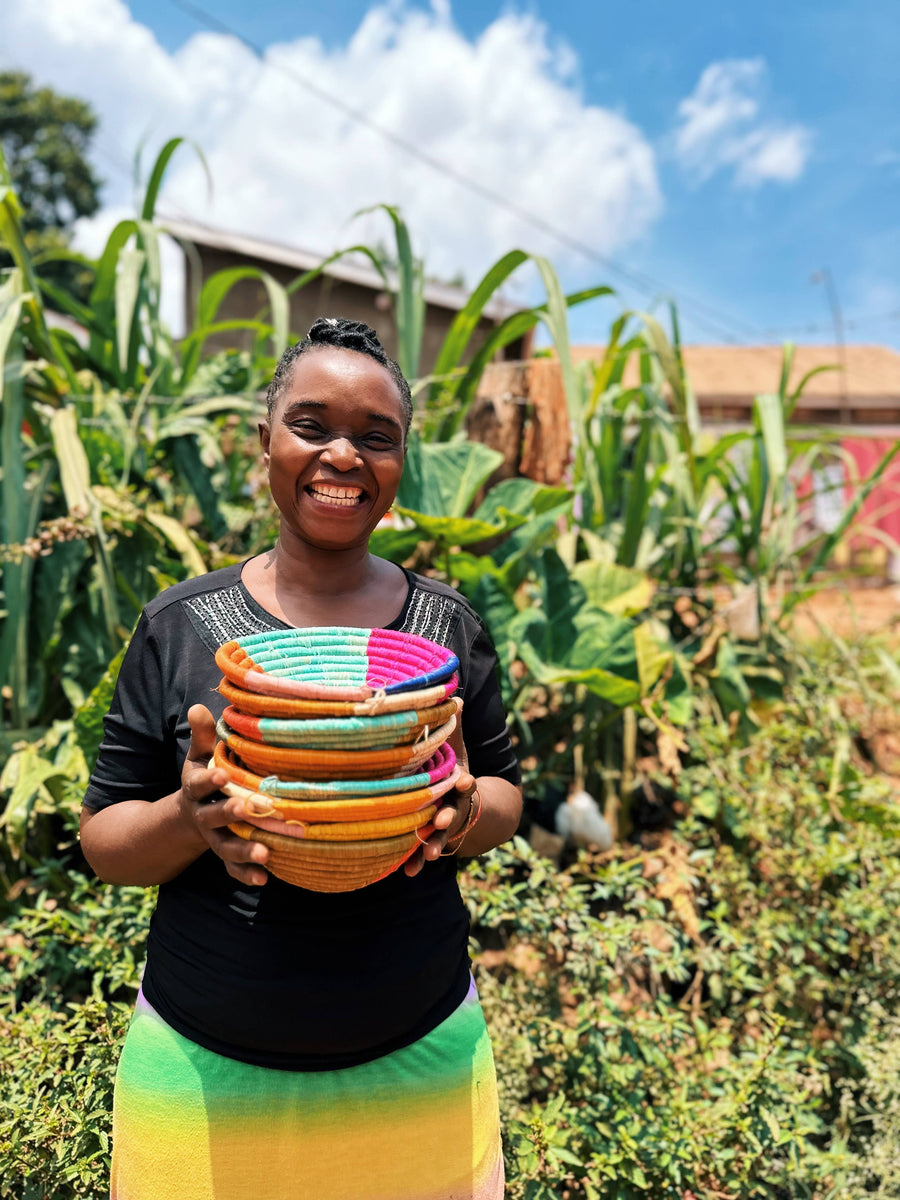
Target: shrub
(706, 1014)
(691, 1016)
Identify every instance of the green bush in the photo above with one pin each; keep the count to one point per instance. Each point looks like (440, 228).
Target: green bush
(695, 1016)
(707, 1013)
(70, 959)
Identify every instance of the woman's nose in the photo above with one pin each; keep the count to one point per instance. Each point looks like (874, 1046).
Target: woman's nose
(341, 454)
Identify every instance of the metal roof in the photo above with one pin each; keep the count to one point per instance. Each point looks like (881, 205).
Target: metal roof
(244, 246)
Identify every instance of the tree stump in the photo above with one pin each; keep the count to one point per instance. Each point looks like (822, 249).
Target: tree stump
(520, 410)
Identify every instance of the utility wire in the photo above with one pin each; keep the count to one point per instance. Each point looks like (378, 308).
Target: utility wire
(850, 323)
(716, 321)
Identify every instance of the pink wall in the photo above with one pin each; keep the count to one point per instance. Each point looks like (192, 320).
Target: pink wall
(882, 508)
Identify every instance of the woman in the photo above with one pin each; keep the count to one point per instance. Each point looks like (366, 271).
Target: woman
(289, 1043)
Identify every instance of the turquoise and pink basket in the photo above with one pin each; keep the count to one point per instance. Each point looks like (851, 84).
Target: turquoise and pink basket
(336, 741)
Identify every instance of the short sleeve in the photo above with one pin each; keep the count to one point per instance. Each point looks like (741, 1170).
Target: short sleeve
(137, 758)
(485, 730)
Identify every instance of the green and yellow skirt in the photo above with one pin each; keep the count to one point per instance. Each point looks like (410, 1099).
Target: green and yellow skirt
(421, 1123)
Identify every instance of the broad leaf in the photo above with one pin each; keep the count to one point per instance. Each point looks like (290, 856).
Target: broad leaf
(620, 590)
(443, 479)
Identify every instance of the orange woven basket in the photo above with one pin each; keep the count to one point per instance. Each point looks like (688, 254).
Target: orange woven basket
(346, 733)
(293, 764)
(346, 831)
(245, 786)
(331, 866)
(277, 706)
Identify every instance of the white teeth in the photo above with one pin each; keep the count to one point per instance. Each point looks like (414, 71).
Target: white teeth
(345, 497)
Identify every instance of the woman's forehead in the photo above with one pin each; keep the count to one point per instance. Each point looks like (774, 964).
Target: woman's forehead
(339, 376)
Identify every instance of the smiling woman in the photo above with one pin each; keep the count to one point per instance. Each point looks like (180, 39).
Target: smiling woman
(290, 1042)
(334, 443)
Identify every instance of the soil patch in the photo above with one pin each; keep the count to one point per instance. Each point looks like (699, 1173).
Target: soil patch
(850, 613)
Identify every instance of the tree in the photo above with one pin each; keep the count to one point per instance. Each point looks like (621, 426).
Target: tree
(45, 139)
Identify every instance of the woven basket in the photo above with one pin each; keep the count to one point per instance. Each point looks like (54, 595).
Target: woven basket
(293, 764)
(262, 807)
(280, 708)
(345, 733)
(334, 663)
(332, 866)
(346, 831)
(433, 774)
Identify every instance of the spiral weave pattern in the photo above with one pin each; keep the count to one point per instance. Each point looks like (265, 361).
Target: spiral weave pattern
(335, 739)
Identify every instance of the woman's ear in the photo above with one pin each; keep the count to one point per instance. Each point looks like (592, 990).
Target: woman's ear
(264, 435)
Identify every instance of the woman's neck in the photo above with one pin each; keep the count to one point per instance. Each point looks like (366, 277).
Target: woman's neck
(304, 585)
(303, 569)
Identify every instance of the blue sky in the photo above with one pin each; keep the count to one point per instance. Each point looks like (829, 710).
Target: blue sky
(723, 153)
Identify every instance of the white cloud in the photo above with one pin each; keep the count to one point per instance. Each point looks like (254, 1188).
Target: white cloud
(503, 110)
(722, 126)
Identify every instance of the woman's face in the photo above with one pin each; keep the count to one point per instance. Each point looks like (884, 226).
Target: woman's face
(334, 447)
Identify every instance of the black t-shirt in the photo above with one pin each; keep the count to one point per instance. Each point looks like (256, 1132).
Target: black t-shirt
(278, 975)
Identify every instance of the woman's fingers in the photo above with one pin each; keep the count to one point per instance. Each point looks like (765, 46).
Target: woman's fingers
(198, 781)
(244, 860)
(210, 810)
(456, 738)
(448, 823)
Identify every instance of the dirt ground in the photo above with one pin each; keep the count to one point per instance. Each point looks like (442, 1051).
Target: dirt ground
(851, 612)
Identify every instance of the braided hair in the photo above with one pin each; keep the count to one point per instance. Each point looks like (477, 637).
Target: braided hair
(343, 334)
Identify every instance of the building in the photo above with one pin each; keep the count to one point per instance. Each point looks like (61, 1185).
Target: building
(860, 385)
(521, 411)
(347, 287)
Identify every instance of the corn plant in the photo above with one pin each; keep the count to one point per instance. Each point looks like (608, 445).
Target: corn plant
(448, 392)
(106, 448)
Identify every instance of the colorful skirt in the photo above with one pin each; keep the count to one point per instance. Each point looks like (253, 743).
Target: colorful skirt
(419, 1124)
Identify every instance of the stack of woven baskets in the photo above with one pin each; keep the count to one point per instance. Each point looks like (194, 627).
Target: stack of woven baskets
(336, 741)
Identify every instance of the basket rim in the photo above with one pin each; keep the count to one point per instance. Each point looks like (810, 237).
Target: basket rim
(285, 761)
(325, 812)
(291, 791)
(321, 732)
(236, 661)
(256, 704)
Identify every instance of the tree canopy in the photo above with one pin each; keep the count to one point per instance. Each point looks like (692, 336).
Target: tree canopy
(46, 138)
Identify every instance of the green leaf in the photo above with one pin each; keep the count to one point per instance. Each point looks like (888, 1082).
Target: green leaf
(460, 531)
(624, 591)
(652, 658)
(768, 416)
(89, 717)
(727, 681)
(612, 688)
(74, 469)
(24, 777)
(442, 479)
(180, 540)
(409, 294)
(466, 321)
(154, 183)
(561, 598)
(396, 545)
(604, 640)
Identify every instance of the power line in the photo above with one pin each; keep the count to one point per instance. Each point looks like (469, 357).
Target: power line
(716, 321)
(849, 323)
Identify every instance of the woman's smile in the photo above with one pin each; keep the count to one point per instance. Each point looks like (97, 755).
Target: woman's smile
(337, 497)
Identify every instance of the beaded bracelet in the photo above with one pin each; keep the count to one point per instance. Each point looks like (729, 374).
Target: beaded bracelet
(475, 806)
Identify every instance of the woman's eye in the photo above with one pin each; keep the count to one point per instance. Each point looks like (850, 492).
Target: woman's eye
(308, 429)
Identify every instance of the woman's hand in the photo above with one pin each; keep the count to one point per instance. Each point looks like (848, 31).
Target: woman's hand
(450, 819)
(204, 807)
(146, 842)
